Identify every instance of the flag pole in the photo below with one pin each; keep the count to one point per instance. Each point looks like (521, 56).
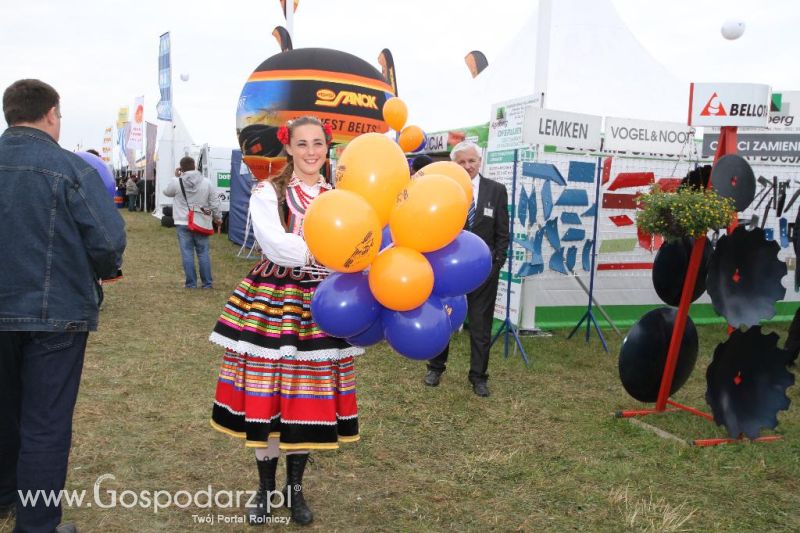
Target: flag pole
(289, 14)
(541, 68)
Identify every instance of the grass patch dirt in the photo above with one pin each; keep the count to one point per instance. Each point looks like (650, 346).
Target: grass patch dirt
(542, 453)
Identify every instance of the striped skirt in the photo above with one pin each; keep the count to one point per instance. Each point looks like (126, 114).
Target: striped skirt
(281, 376)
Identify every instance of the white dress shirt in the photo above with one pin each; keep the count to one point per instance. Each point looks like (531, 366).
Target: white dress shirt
(476, 184)
(278, 245)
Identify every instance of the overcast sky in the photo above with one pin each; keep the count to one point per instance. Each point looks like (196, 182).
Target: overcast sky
(101, 54)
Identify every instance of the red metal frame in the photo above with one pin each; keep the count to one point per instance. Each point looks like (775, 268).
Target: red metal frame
(717, 442)
(727, 145)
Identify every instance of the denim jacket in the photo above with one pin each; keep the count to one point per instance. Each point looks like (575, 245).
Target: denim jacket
(59, 234)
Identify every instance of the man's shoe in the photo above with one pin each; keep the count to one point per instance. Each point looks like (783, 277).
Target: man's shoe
(7, 509)
(67, 528)
(432, 378)
(480, 388)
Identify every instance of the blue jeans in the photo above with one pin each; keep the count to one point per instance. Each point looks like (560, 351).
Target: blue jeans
(132, 202)
(189, 243)
(39, 377)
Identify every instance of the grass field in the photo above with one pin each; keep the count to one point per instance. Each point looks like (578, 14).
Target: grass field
(543, 453)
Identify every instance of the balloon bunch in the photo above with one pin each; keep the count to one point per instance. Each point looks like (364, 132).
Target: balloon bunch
(403, 264)
(395, 114)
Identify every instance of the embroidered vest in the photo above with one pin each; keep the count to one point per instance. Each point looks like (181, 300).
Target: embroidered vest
(293, 209)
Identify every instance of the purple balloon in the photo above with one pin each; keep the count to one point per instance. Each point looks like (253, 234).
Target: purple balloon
(100, 166)
(386, 237)
(456, 307)
(421, 333)
(343, 305)
(460, 267)
(372, 335)
(423, 143)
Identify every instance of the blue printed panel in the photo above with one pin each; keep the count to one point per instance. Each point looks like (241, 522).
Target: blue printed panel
(569, 201)
(581, 171)
(545, 171)
(574, 197)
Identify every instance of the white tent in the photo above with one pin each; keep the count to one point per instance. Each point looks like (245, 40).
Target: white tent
(596, 66)
(174, 144)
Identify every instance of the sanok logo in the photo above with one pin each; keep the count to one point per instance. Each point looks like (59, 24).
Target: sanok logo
(327, 98)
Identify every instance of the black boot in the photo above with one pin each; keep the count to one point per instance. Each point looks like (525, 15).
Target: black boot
(266, 484)
(295, 466)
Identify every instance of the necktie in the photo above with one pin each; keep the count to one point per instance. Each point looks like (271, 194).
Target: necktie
(471, 215)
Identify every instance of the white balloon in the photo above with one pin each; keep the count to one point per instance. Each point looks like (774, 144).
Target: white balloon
(185, 77)
(732, 29)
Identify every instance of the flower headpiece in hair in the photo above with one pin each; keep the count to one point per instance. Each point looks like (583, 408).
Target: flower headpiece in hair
(283, 135)
(326, 127)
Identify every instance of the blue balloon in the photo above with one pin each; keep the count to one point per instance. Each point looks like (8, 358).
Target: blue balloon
(460, 267)
(423, 143)
(343, 305)
(372, 335)
(386, 237)
(421, 333)
(456, 307)
(100, 166)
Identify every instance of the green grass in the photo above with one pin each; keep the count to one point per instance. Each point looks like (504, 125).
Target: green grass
(542, 453)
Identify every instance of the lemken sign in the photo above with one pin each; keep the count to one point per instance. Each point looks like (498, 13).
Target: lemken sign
(729, 104)
(558, 128)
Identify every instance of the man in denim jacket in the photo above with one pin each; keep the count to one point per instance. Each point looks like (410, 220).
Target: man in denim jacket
(60, 233)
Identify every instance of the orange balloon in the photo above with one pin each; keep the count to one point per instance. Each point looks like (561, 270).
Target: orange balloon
(451, 170)
(342, 231)
(374, 167)
(395, 113)
(401, 279)
(430, 213)
(411, 138)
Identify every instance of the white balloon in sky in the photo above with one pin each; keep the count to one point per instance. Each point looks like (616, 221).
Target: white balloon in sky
(185, 77)
(733, 29)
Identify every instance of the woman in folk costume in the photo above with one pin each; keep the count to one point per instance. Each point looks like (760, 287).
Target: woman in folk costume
(284, 385)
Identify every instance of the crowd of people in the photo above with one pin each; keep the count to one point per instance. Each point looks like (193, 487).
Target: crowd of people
(284, 386)
(132, 189)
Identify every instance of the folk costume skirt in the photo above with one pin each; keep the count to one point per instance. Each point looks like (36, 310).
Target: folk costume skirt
(281, 376)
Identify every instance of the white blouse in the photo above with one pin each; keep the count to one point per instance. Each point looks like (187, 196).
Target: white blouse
(278, 245)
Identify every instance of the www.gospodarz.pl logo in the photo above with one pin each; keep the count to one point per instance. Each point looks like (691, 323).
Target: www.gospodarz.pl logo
(157, 500)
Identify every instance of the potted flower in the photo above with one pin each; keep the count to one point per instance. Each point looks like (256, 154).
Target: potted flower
(686, 212)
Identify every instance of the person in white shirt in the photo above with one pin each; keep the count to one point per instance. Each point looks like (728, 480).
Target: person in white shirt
(284, 385)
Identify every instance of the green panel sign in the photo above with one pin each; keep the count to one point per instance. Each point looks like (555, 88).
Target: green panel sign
(223, 179)
(503, 156)
(617, 245)
(777, 102)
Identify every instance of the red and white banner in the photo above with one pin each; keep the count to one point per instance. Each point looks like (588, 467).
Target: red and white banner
(729, 104)
(137, 125)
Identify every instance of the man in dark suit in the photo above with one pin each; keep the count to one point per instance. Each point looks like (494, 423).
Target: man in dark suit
(488, 219)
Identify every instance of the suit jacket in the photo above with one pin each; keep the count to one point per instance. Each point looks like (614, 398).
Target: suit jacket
(491, 219)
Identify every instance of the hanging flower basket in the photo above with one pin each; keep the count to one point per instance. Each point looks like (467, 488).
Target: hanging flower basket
(684, 213)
